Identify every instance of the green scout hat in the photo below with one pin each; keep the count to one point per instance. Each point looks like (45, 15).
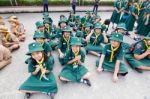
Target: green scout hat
(67, 29)
(79, 33)
(77, 17)
(87, 24)
(46, 21)
(97, 25)
(38, 34)
(117, 37)
(62, 20)
(39, 24)
(83, 20)
(121, 26)
(148, 36)
(75, 41)
(34, 47)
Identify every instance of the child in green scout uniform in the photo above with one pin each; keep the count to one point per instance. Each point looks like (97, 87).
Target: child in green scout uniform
(94, 40)
(142, 7)
(41, 79)
(82, 24)
(117, 12)
(64, 43)
(5, 56)
(121, 29)
(39, 37)
(132, 17)
(77, 22)
(88, 17)
(79, 34)
(125, 12)
(61, 24)
(144, 25)
(40, 26)
(111, 58)
(9, 40)
(49, 33)
(139, 58)
(71, 20)
(17, 29)
(74, 70)
(87, 29)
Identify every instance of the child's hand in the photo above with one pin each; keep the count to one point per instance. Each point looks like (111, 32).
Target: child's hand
(100, 69)
(61, 55)
(115, 78)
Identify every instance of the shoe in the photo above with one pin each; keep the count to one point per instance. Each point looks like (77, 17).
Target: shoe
(52, 95)
(27, 95)
(87, 82)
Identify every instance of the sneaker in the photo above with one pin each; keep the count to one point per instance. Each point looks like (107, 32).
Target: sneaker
(27, 95)
(52, 95)
(87, 82)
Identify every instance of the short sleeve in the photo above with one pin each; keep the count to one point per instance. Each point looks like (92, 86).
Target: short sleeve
(83, 55)
(138, 48)
(105, 49)
(120, 54)
(31, 68)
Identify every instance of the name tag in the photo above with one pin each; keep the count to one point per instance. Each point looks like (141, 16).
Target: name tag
(64, 43)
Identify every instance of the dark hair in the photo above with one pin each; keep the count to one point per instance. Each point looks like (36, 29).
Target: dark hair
(45, 58)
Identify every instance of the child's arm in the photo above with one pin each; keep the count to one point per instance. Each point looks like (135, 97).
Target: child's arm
(116, 70)
(139, 57)
(99, 69)
(36, 70)
(105, 37)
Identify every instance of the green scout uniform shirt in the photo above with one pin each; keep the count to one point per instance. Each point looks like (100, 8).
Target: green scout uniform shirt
(118, 55)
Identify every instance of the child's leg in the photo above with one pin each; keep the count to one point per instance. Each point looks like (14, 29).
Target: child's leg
(63, 79)
(14, 47)
(22, 38)
(94, 53)
(86, 76)
(4, 63)
(147, 68)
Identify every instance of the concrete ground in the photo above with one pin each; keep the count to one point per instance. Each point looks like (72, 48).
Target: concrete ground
(133, 86)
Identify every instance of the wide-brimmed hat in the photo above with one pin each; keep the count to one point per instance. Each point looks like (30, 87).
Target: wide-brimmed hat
(117, 37)
(67, 29)
(121, 26)
(39, 24)
(97, 26)
(34, 47)
(75, 41)
(38, 34)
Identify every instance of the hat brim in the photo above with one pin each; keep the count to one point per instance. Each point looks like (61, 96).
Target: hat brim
(121, 28)
(37, 50)
(115, 39)
(78, 44)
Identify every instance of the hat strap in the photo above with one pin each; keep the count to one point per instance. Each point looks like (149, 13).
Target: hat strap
(67, 41)
(146, 44)
(40, 63)
(75, 54)
(112, 52)
(95, 41)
